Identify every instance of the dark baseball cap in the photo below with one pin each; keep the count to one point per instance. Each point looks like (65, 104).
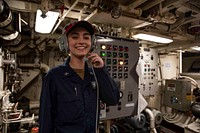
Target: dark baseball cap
(81, 23)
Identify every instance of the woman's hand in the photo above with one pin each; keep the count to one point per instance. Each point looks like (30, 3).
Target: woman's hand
(95, 60)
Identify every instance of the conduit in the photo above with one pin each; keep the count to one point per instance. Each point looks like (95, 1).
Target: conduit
(64, 15)
(1, 70)
(171, 27)
(152, 120)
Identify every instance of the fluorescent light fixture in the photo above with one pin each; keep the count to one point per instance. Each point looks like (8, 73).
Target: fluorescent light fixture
(152, 38)
(102, 40)
(195, 48)
(46, 23)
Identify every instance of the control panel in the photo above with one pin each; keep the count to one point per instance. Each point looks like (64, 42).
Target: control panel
(177, 94)
(148, 71)
(120, 56)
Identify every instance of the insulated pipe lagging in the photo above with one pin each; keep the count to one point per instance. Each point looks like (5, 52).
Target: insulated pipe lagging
(152, 120)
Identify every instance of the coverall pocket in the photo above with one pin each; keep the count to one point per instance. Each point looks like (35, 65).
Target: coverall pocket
(70, 108)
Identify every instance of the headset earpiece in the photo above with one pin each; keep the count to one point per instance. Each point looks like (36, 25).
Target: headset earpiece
(63, 43)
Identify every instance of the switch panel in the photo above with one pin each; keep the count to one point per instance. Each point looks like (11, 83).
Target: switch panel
(120, 56)
(177, 94)
(148, 75)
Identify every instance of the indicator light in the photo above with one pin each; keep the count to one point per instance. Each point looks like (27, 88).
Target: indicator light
(108, 68)
(126, 49)
(109, 54)
(120, 75)
(109, 47)
(114, 75)
(120, 69)
(125, 69)
(121, 62)
(114, 68)
(103, 54)
(126, 62)
(114, 61)
(126, 55)
(114, 54)
(125, 75)
(115, 48)
(103, 46)
(108, 61)
(121, 48)
(121, 55)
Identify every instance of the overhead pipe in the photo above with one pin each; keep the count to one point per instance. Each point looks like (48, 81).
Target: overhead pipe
(95, 3)
(64, 15)
(137, 12)
(171, 27)
(92, 14)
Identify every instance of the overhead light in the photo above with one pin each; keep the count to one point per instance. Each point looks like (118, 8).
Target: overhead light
(152, 38)
(45, 22)
(195, 48)
(102, 40)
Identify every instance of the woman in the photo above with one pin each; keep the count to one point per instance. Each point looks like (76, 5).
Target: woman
(71, 92)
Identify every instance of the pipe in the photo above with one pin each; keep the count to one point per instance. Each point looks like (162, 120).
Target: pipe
(92, 14)
(152, 120)
(95, 4)
(187, 120)
(137, 12)
(176, 119)
(67, 3)
(1, 70)
(191, 79)
(195, 108)
(180, 61)
(44, 67)
(64, 15)
(171, 27)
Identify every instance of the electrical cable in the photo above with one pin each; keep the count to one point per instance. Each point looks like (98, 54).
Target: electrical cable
(97, 88)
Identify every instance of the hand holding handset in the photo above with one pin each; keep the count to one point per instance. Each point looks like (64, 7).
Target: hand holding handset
(95, 60)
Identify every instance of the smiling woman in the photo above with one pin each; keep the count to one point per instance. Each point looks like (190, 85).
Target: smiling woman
(71, 92)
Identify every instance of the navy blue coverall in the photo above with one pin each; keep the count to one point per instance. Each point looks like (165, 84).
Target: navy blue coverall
(68, 103)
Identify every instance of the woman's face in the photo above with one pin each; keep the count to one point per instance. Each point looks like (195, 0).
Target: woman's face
(79, 42)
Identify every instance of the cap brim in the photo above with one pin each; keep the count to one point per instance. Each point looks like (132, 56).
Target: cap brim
(83, 24)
